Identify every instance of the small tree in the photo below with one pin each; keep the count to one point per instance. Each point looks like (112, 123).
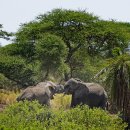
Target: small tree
(51, 50)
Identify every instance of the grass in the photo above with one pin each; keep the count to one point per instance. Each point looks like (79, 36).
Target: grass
(7, 97)
(59, 101)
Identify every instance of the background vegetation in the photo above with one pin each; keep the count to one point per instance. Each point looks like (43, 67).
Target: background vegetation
(61, 44)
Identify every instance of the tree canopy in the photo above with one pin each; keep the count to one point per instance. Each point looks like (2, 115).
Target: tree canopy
(4, 34)
(74, 40)
(51, 51)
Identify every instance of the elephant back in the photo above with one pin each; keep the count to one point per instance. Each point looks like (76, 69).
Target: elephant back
(96, 88)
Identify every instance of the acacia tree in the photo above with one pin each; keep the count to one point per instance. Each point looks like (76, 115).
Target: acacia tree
(79, 30)
(70, 25)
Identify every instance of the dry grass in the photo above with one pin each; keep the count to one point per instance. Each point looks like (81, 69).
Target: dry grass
(61, 101)
(7, 97)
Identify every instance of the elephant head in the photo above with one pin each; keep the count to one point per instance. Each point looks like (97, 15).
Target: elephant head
(52, 87)
(59, 88)
(55, 88)
(72, 85)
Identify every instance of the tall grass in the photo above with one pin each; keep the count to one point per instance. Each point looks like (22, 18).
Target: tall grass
(61, 101)
(7, 97)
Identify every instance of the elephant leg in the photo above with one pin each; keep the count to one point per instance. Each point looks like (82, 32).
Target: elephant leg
(103, 104)
(45, 102)
(76, 102)
(73, 101)
(29, 97)
(48, 103)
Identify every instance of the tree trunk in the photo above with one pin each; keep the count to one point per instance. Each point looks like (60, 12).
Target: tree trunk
(47, 74)
(66, 75)
(126, 112)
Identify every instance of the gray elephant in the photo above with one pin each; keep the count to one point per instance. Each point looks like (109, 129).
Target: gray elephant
(91, 94)
(42, 92)
(59, 88)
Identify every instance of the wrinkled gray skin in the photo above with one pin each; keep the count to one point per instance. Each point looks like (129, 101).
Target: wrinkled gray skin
(42, 92)
(91, 94)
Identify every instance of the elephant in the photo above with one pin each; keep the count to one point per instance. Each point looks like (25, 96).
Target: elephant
(91, 94)
(59, 88)
(42, 92)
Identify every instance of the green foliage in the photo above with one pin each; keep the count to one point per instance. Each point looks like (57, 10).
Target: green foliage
(16, 69)
(80, 31)
(67, 43)
(107, 35)
(51, 51)
(71, 26)
(4, 34)
(7, 84)
(25, 50)
(21, 116)
(31, 115)
(8, 50)
(116, 51)
(117, 77)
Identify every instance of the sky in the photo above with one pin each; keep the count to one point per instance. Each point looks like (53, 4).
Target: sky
(15, 12)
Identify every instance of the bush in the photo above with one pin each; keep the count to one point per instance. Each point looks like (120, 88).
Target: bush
(33, 116)
(22, 116)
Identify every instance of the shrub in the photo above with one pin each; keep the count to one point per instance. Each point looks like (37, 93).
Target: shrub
(22, 116)
(33, 116)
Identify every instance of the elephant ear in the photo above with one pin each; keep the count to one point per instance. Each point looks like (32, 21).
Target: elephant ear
(52, 89)
(82, 88)
(52, 92)
(81, 92)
